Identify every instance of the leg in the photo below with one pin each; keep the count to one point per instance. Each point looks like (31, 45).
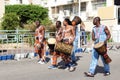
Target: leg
(54, 58)
(43, 53)
(106, 66)
(39, 54)
(53, 61)
(84, 34)
(94, 62)
(43, 57)
(75, 46)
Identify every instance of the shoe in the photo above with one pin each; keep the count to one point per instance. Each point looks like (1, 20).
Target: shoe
(39, 61)
(89, 74)
(71, 69)
(106, 73)
(52, 67)
(67, 68)
(42, 62)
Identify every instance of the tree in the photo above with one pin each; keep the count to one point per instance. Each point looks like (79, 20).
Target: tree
(28, 13)
(10, 21)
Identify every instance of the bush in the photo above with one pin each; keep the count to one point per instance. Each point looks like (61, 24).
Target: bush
(46, 22)
(30, 26)
(51, 28)
(10, 21)
(28, 13)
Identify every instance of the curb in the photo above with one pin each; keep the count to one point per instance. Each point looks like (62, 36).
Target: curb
(17, 56)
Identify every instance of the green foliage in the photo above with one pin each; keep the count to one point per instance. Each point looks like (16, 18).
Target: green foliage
(110, 40)
(30, 26)
(23, 16)
(10, 21)
(46, 22)
(28, 13)
(88, 36)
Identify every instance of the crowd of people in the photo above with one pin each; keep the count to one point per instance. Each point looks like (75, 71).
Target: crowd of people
(69, 34)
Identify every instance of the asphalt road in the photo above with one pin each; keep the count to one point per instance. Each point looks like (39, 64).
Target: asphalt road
(29, 69)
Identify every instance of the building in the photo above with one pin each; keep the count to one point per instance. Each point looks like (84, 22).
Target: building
(86, 9)
(2, 8)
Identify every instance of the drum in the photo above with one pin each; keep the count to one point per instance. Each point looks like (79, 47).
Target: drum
(77, 19)
(101, 49)
(63, 48)
(51, 43)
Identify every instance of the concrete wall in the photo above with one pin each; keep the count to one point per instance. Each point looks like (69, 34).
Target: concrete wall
(109, 23)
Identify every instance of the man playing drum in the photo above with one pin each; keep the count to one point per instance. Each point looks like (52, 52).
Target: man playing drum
(100, 33)
(40, 42)
(55, 55)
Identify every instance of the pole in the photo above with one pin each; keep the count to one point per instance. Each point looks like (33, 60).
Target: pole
(79, 43)
(79, 9)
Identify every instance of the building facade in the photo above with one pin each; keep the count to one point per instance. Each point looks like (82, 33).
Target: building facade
(86, 9)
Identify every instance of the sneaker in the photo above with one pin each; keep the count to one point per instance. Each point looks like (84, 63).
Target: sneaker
(67, 68)
(106, 73)
(71, 69)
(52, 67)
(39, 61)
(42, 62)
(88, 74)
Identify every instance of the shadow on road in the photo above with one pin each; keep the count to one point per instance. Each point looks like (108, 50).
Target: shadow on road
(47, 59)
(99, 69)
(61, 64)
(78, 58)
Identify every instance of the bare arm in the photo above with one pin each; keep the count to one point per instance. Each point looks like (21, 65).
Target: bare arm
(93, 36)
(73, 31)
(59, 35)
(107, 33)
(73, 35)
(42, 31)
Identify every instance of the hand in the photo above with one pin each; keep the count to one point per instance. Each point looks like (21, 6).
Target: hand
(105, 41)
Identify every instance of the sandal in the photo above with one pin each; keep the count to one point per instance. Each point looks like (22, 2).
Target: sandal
(88, 74)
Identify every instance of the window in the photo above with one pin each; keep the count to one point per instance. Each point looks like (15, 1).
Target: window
(20, 1)
(55, 10)
(83, 6)
(98, 3)
(68, 7)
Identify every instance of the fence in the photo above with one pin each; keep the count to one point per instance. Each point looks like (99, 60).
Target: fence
(21, 42)
(18, 42)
